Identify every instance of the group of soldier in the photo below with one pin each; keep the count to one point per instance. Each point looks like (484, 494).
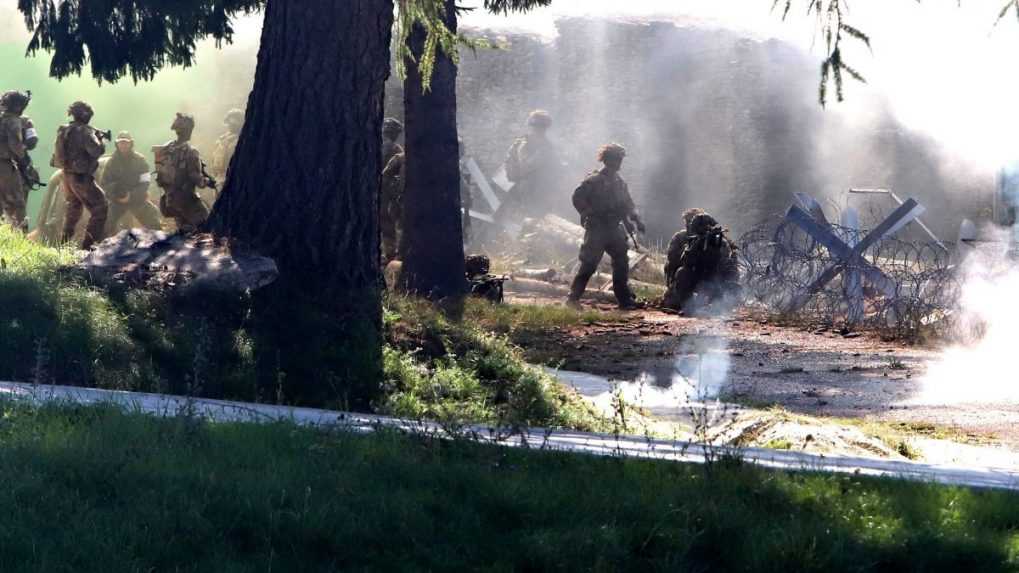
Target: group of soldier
(701, 260)
(107, 187)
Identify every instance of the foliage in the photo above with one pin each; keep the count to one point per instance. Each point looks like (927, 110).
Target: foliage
(459, 372)
(95, 489)
(137, 38)
(127, 37)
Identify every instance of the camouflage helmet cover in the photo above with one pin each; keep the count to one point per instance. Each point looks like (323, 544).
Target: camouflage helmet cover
(689, 214)
(15, 101)
(183, 121)
(539, 118)
(124, 136)
(392, 126)
(234, 116)
(80, 110)
(701, 223)
(611, 152)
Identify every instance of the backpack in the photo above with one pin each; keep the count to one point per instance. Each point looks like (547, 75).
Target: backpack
(169, 162)
(59, 159)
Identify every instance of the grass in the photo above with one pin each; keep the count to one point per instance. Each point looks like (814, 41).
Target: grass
(94, 489)
(54, 327)
(460, 371)
(516, 318)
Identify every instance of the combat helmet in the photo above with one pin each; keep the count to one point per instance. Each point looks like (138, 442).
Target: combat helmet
(234, 118)
(183, 123)
(611, 152)
(391, 127)
(539, 118)
(80, 111)
(14, 101)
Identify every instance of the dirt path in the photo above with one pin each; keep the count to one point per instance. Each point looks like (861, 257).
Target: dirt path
(815, 373)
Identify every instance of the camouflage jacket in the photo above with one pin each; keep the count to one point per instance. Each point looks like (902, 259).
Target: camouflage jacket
(179, 166)
(124, 174)
(226, 145)
(82, 149)
(604, 199)
(390, 149)
(12, 139)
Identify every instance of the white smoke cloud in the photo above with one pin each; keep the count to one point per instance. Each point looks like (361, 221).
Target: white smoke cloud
(980, 369)
(943, 68)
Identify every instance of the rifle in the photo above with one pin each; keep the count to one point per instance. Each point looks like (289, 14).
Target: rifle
(210, 181)
(28, 172)
(101, 135)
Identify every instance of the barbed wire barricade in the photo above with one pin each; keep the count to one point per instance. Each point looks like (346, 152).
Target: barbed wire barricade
(779, 264)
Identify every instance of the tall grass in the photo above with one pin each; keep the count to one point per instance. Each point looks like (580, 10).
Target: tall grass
(94, 489)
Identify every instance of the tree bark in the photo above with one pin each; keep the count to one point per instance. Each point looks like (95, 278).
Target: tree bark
(304, 190)
(432, 243)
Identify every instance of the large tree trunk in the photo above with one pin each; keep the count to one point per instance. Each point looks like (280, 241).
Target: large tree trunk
(304, 190)
(432, 243)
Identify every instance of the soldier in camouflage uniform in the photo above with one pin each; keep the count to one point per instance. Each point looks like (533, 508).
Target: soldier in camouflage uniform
(226, 145)
(700, 260)
(533, 164)
(126, 179)
(393, 177)
(77, 151)
(179, 172)
(14, 146)
(391, 192)
(391, 131)
(466, 196)
(607, 212)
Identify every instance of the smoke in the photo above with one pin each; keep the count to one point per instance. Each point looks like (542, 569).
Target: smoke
(220, 80)
(980, 367)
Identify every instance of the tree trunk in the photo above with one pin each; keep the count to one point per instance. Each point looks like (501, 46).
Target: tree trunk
(304, 190)
(432, 243)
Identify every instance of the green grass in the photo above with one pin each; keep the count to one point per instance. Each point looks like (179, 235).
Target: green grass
(93, 489)
(512, 318)
(54, 327)
(459, 371)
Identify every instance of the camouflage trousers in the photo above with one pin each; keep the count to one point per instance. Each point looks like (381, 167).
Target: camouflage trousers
(12, 195)
(598, 240)
(81, 192)
(389, 226)
(139, 206)
(712, 283)
(185, 207)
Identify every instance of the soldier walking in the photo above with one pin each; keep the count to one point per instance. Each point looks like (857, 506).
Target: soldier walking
(15, 142)
(126, 179)
(77, 151)
(391, 196)
(607, 213)
(179, 172)
(533, 164)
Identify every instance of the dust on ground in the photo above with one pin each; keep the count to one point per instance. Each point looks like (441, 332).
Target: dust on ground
(794, 387)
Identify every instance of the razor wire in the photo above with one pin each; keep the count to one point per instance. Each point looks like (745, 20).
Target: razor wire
(779, 263)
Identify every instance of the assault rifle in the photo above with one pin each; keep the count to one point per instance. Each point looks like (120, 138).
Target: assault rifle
(107, 135)
(210, 181)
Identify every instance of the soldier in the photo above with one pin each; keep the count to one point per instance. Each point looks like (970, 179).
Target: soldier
(126, 179)
(77, 151)
(533, 165)
(678, 244)
(179, 172)
(701, 260)
(466, 197)
(226, 145)
(14, 159)
(391, 131)
(393, 177)
(607, 213)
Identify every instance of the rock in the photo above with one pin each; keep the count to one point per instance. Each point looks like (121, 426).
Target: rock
(153, 259)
